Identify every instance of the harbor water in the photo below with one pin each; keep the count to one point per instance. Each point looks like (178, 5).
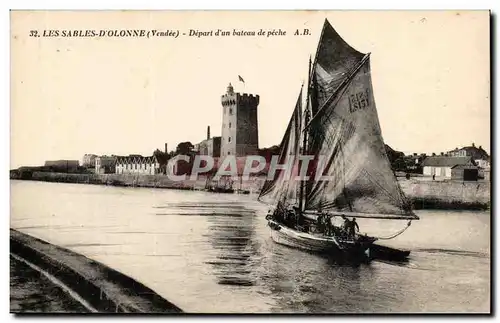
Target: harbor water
(212, 253)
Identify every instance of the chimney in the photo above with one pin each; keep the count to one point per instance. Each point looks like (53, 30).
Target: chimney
(166, 148)
(208, 132)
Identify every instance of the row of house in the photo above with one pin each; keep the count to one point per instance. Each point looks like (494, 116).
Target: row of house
(132, 164)
(137, 165)
(469, 163)
(456, 168)
(478, 154)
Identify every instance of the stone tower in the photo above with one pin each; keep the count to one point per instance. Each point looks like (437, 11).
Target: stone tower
(240, 135)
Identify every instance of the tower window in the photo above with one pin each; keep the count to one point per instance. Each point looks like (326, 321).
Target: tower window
(229, 153)
(231, 111)
(229, 139)
(229, 125)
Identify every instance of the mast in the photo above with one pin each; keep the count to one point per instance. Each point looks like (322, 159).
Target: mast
(304, 143)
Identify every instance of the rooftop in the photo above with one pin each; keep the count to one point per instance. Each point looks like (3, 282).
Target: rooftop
(447, 161)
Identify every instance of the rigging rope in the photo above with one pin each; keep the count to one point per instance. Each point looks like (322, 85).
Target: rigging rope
(396, 234)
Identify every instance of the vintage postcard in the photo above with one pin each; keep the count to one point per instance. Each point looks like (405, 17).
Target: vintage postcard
(250, 162)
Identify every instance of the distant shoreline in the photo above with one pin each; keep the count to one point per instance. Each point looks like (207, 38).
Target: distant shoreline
(424, 194)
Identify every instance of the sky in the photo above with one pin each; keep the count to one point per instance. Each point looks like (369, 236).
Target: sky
(76, 95)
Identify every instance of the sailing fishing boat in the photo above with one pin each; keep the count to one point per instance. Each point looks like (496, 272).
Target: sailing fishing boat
(223, 185)
(349, 175)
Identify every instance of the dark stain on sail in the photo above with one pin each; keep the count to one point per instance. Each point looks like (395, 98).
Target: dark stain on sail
(344, 200)
(356, 192)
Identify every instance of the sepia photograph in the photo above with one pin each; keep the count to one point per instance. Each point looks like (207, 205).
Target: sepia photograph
(250, 162)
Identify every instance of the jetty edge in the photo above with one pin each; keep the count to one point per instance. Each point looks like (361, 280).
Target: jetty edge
(101, 288)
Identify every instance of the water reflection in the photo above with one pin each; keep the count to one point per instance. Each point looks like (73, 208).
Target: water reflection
(307, 283)
(231, 234)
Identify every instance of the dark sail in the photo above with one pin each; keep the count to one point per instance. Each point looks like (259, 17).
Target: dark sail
(283, 186)
(334, 60)
(345, 137)
(346, 134)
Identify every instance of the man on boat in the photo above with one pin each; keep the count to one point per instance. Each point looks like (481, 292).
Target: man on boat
(328, 224)
(348, 226)
(291, 217)
(300, 221)
(324, 223)
(353, 226)
(319, 223)
(335, 230)
(270, 214)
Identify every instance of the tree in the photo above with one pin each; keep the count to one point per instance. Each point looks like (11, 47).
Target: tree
(161, 156)
(184, 148)
(393, 155)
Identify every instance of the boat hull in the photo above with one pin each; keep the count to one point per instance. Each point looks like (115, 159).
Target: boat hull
(320, 244)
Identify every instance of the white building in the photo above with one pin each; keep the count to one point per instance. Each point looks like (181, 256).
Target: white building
(137, 165)
(483, 163)
(105, 164)
(441, 166)
(480, 156)
(88, 160)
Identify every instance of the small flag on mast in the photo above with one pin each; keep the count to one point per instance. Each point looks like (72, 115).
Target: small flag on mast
(241, 79)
